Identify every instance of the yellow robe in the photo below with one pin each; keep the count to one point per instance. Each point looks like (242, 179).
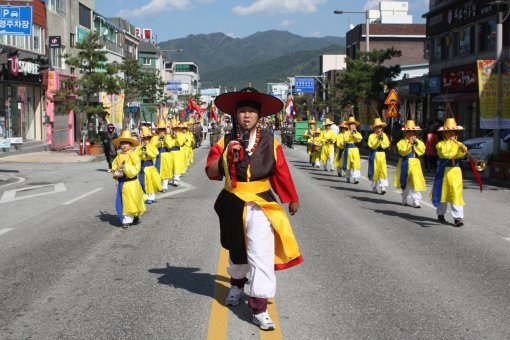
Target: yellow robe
(414, 172)
(380, 166)
(339, 150)
(166, 169)
(328, 139)
(452, 178)
(309, 134)
(315, 144)
(152, 179)
(188, 148)
(353, 159)
(179, 155)
(132, 194)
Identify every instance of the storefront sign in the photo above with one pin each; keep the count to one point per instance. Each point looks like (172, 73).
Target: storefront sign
(55, 41)
(432, 85)
(460, 79)
(16, 20)
(5, 143)
(17, 66)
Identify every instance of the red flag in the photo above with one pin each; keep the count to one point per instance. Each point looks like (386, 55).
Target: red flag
(475, 172)
(212, 112)
(194, 106)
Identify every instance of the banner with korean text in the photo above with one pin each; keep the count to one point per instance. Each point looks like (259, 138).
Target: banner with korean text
(488, 94)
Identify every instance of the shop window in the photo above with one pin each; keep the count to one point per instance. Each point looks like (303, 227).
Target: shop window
(72, 39)
(487, 36)
(466, 41)
(85, 16)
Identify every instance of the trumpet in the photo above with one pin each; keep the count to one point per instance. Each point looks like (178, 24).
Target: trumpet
(479, 164)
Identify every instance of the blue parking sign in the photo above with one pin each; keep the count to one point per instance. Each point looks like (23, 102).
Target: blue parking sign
(16, 20)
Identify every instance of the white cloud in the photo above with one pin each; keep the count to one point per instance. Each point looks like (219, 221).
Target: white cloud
(153, 7)
(272, 7)
(286, 23)
(317, 34)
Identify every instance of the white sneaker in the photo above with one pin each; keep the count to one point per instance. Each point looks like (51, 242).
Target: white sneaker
(416, 204)
(263, 321)
(234, 295)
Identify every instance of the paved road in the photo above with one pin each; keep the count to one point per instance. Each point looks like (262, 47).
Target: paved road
(373, 268)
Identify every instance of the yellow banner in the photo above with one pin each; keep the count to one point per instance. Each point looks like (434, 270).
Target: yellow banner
(116, 113)
(488, 94)
(118, 109)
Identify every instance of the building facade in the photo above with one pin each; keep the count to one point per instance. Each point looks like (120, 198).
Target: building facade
(459, 33)
(24, 60)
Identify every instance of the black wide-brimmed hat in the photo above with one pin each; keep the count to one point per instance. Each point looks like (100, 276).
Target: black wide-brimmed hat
(249, 96)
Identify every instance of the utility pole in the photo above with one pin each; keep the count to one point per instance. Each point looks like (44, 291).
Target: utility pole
(499, 50)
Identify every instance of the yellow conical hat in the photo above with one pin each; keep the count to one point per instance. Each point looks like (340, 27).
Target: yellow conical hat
(328, 122)
(311, 121)
(378, 122)
(125, 137)
(411, 126)
(352, 120)
(184, 125)
(450, 125)
(174, 123)
(146, 132)
(161, 124)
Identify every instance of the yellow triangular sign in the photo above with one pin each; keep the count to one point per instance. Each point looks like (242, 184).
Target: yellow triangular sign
(392, 111)
(392, 98)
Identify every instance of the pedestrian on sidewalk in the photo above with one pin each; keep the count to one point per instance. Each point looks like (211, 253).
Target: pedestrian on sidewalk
(110, 150)
(253, 226)
(126, 167)
(409, 175)
(378, 142)
(448, 181)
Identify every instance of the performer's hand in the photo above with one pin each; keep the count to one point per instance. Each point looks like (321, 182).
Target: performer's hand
(293, 207)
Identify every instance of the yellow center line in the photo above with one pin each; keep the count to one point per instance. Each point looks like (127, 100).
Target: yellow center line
(276, 334)
(218, 319)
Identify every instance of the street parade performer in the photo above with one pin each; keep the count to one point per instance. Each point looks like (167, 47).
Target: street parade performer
(309, 134)
(164, 143)
(340, 145)
(149, 177)
(351, 160)
(328, 137)
(448, 181)
(409, 175)
(254, 228)
(378, 142)
(126, 166)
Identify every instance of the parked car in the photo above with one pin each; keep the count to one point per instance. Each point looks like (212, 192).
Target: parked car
(482, 147)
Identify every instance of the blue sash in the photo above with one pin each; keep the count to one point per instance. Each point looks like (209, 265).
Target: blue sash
(141, 175)
(175, 148)
(158, 158)
(346, 154)
(404, 167)
(437, 189)
(119, 206)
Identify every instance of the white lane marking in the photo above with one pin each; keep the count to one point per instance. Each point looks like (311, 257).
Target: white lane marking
(82, 196)
(20, 179)
(10, 195)
(5, 230)
(185, 187)
(506, 238)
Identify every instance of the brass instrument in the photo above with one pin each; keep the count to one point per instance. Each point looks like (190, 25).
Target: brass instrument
(479, 164)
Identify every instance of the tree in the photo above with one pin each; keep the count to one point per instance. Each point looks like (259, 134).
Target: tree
(139, 84)
(365, 77)
(96, 75)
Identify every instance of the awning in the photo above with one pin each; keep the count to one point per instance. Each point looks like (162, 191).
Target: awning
(456, 97)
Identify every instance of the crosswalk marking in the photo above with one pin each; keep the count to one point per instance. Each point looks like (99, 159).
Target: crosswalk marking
(10, 196)
(5, 230)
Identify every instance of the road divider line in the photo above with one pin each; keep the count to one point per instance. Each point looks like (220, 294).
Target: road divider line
(82, 196)
(506, 238)
(218, 318)
(276, 334)
(5, 230)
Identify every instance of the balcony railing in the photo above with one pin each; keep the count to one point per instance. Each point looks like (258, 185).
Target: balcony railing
(112, 46)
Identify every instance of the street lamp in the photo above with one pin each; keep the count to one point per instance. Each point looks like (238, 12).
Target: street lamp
(501, 7)
(367, 24)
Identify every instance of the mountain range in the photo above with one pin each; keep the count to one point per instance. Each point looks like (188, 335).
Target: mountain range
(262, 57)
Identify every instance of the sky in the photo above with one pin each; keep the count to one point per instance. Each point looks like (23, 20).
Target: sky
(172, 19)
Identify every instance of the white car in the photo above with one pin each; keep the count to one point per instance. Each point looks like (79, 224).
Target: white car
(482, 147)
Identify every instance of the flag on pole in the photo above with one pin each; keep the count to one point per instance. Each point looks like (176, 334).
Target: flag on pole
(193, 105)
(289, 107)
(212, 112)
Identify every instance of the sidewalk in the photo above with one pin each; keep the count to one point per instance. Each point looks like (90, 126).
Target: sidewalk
(51, 157)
